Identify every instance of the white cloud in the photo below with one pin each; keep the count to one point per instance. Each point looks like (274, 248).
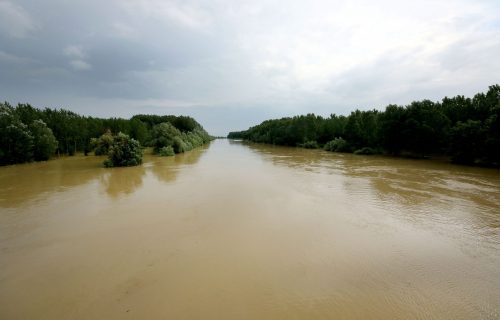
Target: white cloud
(182, 13)
(15, 22)
(75, 51)
(13, 59)
(321, 42)
(124, 30)
(77, 56)
(80, 65)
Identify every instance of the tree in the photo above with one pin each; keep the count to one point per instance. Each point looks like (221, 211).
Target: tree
(17, 144)
(44, 142)
(166, 135)
(73, 132)
(163, 135)
(167, 151)
(467, 141)
(16, 141)
(391, 125)
(425, 129)
(124, 152)
(337, 145)
(103, 144)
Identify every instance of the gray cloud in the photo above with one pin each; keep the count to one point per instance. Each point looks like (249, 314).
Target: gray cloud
(232, 64)
(15, 22)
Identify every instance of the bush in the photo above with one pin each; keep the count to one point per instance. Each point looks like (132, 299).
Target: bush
(365, 151)
(337, 145)
(309, 145)
(102, 145)
(124, 152)
(166, 135)
(179, 145)
(167, 151)
(163, 135)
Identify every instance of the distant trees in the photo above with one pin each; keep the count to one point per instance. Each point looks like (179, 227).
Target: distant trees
(28, 133)
(467, 130)
(166, 135)
(22, 143)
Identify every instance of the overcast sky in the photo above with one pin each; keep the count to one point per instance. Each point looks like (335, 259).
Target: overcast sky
(232, 64)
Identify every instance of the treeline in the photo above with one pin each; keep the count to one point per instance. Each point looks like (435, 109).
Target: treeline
(28, 133)
(466, 129)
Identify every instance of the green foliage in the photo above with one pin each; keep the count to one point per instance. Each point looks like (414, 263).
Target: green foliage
(103, 144)
(24, 140)
(361, 129)
(425, 129)
(466, 129)
(163, 135)
(167, 151)
(16, 141)
(391, 125)
(467, 141)
(180, 145)
(124, 152)
(181, 123)
(44, 142)
(167, 135)
(337, 145)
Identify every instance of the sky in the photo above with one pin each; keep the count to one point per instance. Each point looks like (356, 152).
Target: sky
(233, 64)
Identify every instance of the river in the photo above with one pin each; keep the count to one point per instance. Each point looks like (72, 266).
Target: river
(236, 230)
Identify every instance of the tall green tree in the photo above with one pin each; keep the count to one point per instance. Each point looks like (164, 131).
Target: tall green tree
(16, 141)
(44, 141)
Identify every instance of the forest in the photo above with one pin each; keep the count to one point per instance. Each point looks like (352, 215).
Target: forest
(32, 134)
(467, 130)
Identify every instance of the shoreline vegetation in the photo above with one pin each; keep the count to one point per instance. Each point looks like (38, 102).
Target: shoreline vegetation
(31, 134)
(467, 130)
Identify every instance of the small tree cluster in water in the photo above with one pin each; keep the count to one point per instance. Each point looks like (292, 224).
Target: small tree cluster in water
(28, 133)
(466, 129)
(167, 151)
(167, 139)
(123, 152)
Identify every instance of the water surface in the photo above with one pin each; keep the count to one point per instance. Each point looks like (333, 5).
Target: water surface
(247, 231)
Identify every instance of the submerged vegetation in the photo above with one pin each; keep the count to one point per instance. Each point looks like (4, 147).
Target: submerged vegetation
(465, 129)
(32, 134)
(165, 136)
(124, 152)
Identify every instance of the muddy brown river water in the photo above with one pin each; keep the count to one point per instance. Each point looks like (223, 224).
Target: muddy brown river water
(246, 231)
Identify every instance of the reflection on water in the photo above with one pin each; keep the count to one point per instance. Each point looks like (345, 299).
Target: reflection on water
(124, 181)
(21, 183)
(247, 231)
(35, 181)
(432, 194)
(166, 168)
